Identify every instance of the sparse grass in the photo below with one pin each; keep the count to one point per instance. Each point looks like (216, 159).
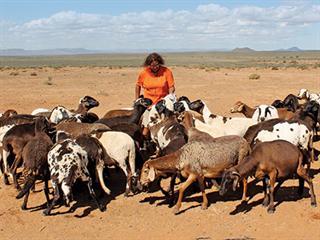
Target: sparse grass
(14, 74)
(33, 74)
(254, 76)
(274, 68)
(198, 60)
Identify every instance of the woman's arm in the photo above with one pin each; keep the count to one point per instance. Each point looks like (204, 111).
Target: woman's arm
(137, 92)
(172, 89)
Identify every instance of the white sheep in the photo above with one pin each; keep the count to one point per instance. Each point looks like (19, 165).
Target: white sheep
(121, 147)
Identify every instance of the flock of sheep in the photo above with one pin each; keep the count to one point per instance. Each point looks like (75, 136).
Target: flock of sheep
(186, 140)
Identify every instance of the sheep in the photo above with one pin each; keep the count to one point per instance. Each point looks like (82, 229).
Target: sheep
(262, 112)
(13, 142)
(40, 111)
(59, 113)
(97, 156)
(240, 107)
(222, 126)
(152, 114)
(182, 105)
(203, 156)
(270, 161)
(75, 129)
(297, 131)
(167, 133)
(123, 112)
(7, 113)
(7, 123)
(140, 105)
(34, 155)
(290, 102)
(68, 161)
(121, 147)
(305, 94)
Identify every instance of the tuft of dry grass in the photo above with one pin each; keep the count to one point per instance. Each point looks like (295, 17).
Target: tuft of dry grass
(33, 74)
(14, 73)
(254, 76)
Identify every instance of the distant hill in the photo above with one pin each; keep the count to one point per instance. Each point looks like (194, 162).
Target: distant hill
(292, 49)
(243, 50)
(58, 51)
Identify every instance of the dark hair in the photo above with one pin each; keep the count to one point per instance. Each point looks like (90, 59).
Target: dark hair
(153, 57)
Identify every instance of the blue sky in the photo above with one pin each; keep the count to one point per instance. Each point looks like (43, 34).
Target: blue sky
(159, 24)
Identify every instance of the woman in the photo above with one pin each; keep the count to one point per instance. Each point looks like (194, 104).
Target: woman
(155, 79)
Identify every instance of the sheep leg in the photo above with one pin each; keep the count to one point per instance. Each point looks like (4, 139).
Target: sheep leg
(46, 191)
(5, 156)
(266, 196)
(99, 169)
(204, 204)
(56, 198)
(93, 195)
(301, 186)
(13, 170)
(183, 187)
(25, 201)
(273, 176)
(245, 189)
(304, 175)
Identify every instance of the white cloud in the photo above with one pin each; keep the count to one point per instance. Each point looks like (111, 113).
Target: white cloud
(208, 26)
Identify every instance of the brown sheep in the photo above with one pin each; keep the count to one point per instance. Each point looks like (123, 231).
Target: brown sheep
(270, 161)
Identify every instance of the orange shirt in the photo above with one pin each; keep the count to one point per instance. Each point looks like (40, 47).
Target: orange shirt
(156, 86)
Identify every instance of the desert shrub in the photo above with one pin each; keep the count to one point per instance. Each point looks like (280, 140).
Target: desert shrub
(33, 74)
(14, 73)
(254, 76)
(274, 68)
(302, 67)
(293, 62)
(316, 65)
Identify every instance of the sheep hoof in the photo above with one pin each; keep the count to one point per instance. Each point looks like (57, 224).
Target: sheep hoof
(23, 207)
(314, 204)
(204, 207)
(265, 203)
(46, 212)
(270, 210)
(175, 210)
(5, 180)
(102, 208)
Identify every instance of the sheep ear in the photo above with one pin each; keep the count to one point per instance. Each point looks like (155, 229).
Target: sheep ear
(152, 174)
(241, 107)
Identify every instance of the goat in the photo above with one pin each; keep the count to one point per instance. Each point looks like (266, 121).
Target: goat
(270, 161)
(68, 161)
(34, 155)
(203, 156)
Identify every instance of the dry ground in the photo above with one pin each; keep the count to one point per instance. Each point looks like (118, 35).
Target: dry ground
(147, 216)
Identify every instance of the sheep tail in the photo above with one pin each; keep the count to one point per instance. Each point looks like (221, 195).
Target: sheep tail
(29, 182)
